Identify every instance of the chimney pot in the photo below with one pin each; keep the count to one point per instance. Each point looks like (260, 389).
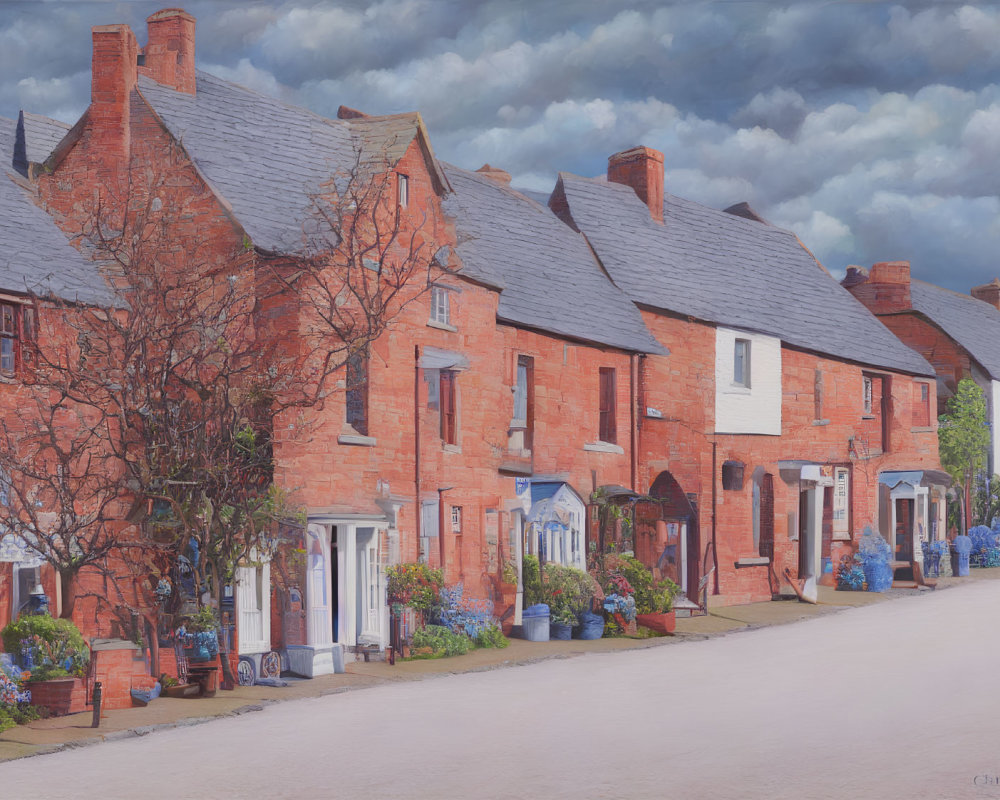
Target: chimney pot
(642, 169)
(988, 293)
(169, 52)
(887, 289)
(346, 112)
(494, 174)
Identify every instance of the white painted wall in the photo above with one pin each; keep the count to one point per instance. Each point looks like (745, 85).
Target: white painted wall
(739, 409)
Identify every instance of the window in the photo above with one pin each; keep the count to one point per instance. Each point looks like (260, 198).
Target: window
(741, 363)
(446, 398)
(921, 405)
(524, 400)
(456, 519)
(877, 416)
(818, 395)
(732, 475)
(841, 504)
(357, 391)
(440, 306)
(17, 333)
(608, 432)
(404, 190)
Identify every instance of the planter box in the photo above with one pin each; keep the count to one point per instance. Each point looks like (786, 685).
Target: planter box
(558, 630)
(55, 695)
(664, 623)
(182, 690)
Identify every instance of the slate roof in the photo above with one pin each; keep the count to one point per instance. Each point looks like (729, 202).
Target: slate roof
(35, 256)
(973, 323)
(41, 135)
(728, 270)
(268, 159)
(549, 279)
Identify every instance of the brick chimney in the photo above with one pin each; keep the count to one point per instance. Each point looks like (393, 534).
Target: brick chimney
(988, 293)
(887, 288)
(642, 169)
(494, 174)
(113, 76)
(169, 52)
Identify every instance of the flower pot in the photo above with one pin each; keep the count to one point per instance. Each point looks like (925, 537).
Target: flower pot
(182, 690)
(561, 631)
(664, 623)
(55, 695)
(591, 626)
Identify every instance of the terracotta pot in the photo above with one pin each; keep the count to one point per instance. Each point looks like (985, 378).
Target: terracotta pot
(664, 623)
(56, 695)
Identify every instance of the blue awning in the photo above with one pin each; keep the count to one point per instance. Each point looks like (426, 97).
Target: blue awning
(893, 479)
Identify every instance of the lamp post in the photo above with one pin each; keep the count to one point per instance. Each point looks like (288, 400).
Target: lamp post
(441, 492)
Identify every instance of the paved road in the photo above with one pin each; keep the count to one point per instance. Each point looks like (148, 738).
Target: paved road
(895, 700)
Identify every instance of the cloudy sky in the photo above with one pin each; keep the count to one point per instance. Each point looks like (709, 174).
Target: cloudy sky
(872, 130)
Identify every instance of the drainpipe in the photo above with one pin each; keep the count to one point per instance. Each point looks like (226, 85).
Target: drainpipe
(416, 442)
(633, 456)
(715, 550)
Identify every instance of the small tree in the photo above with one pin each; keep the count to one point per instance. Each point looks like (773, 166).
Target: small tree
(964, 440)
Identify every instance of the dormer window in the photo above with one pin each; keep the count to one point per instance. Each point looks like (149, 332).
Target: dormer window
(403, 182)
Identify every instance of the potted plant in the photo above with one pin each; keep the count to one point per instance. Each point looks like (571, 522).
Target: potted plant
(873, 556)
(850, 575)
(52, 653)
(200, 635)
(561, 624)
(568, 592)
(654, 599)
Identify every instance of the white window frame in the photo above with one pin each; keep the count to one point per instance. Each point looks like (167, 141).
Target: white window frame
(866, 390)
(841, 503)
(403, 185)
(440, 306)
(741, 365)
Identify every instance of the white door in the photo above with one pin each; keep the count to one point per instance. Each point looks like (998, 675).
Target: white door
(369, 585)
(320, 630)
(253, 604)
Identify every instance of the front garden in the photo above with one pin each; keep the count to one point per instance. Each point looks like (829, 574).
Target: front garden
(617, 596)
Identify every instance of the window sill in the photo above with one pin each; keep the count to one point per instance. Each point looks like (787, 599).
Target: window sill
(736, 388)
(451, 448)
(443, 326)
(818, 422)
(922, 429)
(604, 447)
(868, 416)
(356, 439)
(756, 561)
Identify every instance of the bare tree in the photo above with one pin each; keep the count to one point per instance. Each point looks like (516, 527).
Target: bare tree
(164, 401)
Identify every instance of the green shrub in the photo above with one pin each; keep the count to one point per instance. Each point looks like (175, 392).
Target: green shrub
(566, 590)
(56, 647)
(531, 578)
(413, 585)
(436, 641)
(491, 636)
(651, 596)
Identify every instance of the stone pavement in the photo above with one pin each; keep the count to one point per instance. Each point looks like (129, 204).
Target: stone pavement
(45, 736)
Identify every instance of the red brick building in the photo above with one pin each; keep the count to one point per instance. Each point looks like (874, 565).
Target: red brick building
(631, 343)
(957, 333)
(785, 416)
